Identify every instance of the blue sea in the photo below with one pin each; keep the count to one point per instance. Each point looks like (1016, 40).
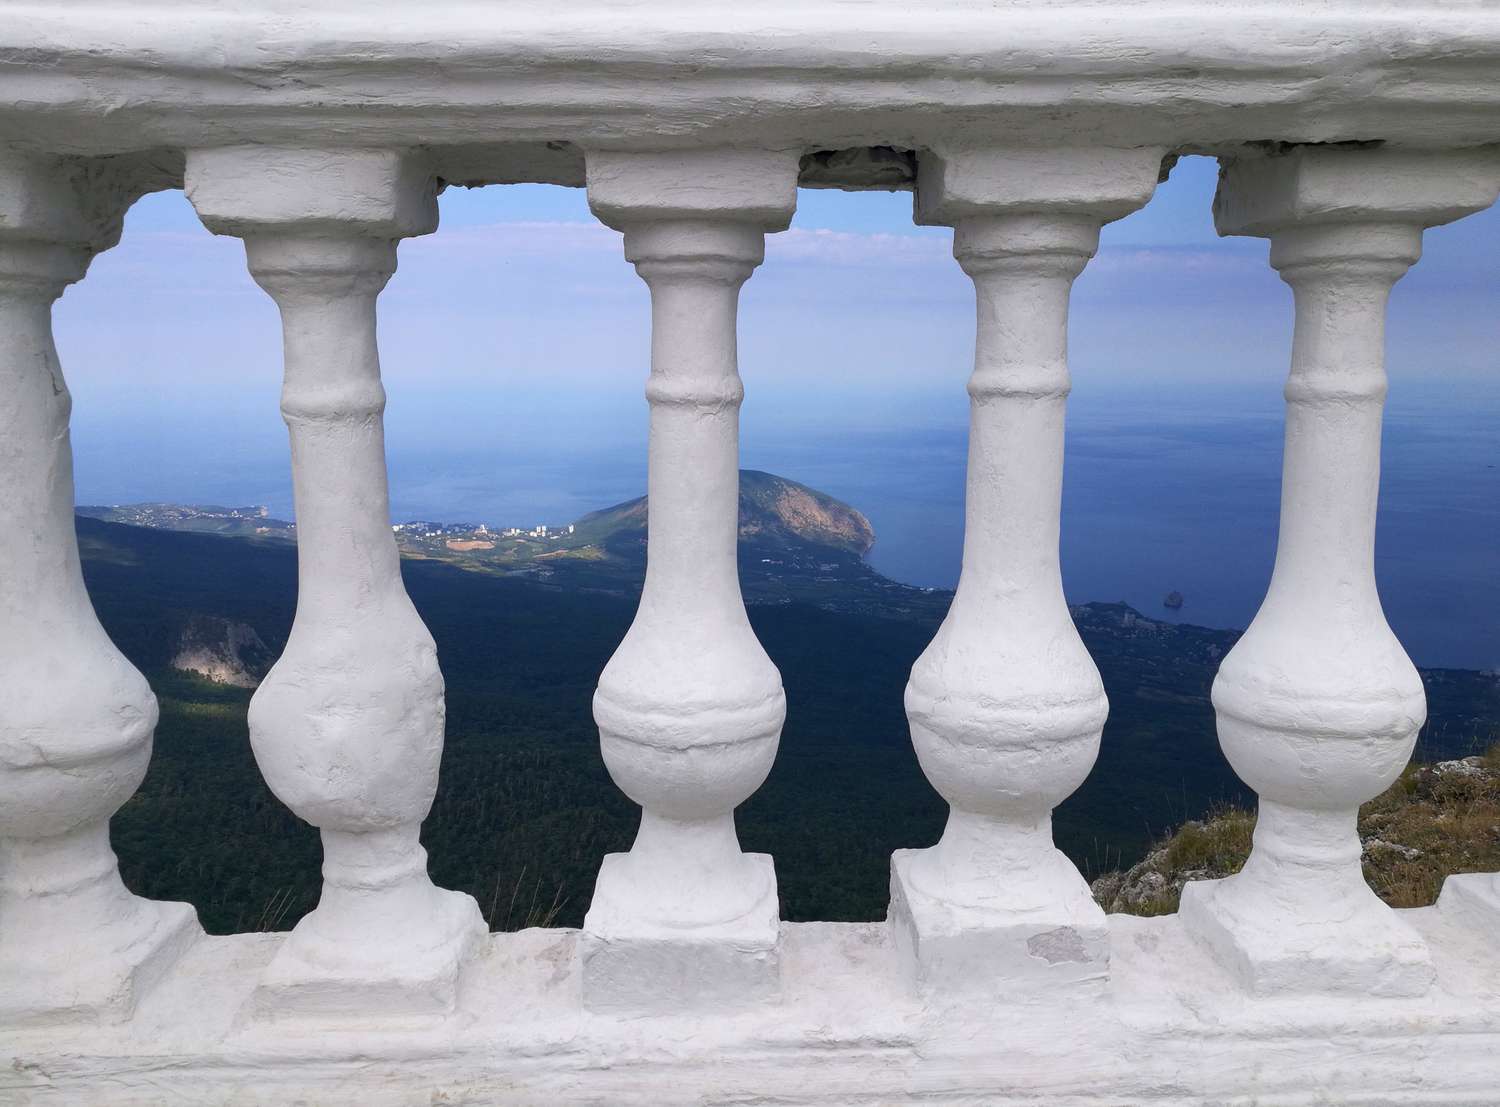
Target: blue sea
(1167, 489)
(1164, 495)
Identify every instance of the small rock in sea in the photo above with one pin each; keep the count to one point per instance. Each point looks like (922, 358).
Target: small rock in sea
(1173, 600)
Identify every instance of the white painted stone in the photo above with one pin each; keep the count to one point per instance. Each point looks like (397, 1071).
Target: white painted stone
(689, 707)
(1005, 705)
(76, 718)
(348, 725)
(673, 101)
(520, 79)
(1472, 900)
(1097, 184)
(1318, 706)
(1172, 1029)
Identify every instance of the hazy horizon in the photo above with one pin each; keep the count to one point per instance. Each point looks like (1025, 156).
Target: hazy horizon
(515, 342)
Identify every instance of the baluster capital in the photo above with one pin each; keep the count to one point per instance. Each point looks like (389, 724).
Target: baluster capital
(252, 190)
(68, 201)
(756, 188)
(1020, 244)
(56, 213)
(1100, 184)
(1276, 195)
(292, 266)
(717, 251)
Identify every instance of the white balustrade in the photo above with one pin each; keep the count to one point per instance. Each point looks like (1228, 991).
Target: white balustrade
(1318, 706)
(320, 140)
(1005, 705)
(348, 726)
(689, 707)
(76, 718)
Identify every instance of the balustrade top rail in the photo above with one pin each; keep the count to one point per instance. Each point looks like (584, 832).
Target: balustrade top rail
(320, 134)
(545, 79)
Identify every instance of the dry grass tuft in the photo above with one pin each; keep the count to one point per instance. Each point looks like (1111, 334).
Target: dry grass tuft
(1436, 820)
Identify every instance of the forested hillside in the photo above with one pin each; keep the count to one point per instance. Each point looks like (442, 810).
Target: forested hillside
(525, 809)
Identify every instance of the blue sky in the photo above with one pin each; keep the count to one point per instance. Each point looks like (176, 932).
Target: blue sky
(519, 325)
(521, 306)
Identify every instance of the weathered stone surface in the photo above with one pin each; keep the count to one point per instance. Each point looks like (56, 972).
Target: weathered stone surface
(689, 707)
(347, 727)
(1318, 706)
(320, 134)
(221, 650)
(1005, 705)
(512, 92)
(1169, 1027)
(76, 718)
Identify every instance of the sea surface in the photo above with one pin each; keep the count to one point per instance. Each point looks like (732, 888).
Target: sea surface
(1167, 489)
(1163, 494)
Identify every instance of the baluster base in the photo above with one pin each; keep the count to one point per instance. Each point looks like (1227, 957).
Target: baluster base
(633, 963)
(1299, 917)
(949, 947)
(411, 971)
(1358, 946)
(76, 945)
(1472, 900)
(49, 977)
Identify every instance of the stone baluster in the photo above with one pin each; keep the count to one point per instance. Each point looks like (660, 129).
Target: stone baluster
(1318, 705)
(76, 718)
(348, 726)
(690, 707)
(1005, 705)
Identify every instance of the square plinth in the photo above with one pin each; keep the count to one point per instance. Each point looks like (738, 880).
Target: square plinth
(947, 948)
(87, 983)
(1473, 900)
(414, 976)
(1373, 952)
(636, 966)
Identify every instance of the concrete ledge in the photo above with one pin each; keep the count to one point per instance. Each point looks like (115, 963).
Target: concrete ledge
(1171, 1029)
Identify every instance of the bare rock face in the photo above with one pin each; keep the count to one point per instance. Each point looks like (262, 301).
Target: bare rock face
(223, 651)
(773, 511)
(777, 507)
(1210, 849)
(1138, 890)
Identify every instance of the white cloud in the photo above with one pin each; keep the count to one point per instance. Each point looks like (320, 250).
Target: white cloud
(154, 255)
(1227, 260)
(538, 238)
(799, 244)
(803, 244)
